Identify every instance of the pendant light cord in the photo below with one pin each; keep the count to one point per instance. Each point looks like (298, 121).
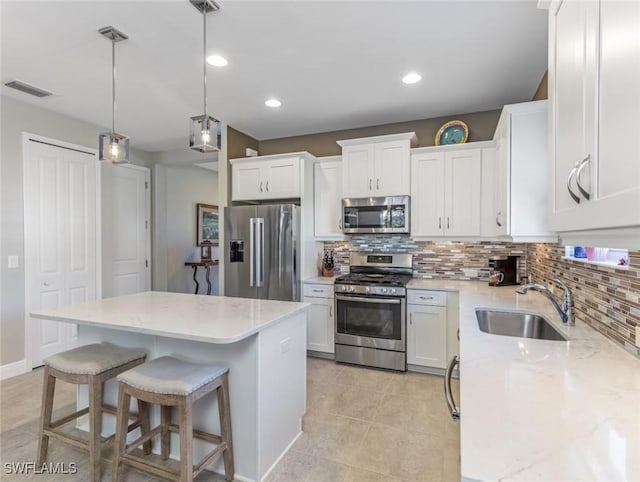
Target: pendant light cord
(204, 57)
(113, 85)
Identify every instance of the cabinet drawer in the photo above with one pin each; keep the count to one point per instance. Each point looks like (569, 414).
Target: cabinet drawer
(318, 291)
(433, 298)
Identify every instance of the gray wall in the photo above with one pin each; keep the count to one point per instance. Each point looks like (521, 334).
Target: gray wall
(177, 190)
(17, 117)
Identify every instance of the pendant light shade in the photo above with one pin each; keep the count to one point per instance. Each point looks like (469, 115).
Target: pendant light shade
(205, 134)
(113, 146)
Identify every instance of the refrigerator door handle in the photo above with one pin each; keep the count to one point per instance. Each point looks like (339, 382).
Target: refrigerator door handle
(252, 252)
(260, 254)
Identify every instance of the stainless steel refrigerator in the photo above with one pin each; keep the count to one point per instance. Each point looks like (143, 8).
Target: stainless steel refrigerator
(261, 248)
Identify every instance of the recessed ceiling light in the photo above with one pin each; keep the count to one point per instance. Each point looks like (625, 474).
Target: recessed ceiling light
(217, 60)
(411, 78)
(272, 103)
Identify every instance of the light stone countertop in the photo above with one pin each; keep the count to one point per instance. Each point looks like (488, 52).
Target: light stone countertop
(211, 319)
(542, 410)
(320, 280)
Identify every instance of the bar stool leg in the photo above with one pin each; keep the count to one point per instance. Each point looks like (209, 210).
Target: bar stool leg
(48, 389)
(185, 407)
(122, 417)
(225, 426)
(145, 424)
(95, 426)
(166, 434)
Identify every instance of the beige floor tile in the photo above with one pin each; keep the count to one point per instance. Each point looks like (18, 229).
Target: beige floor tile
(298, 467)
(367, 378)
(351, 402)
(333, 437)
(360, 475)
(411, 414)
(319, 369)
(417, 385)
(396, 452)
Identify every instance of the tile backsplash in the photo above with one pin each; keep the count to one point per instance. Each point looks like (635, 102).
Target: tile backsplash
(445, 260)
(606, 298)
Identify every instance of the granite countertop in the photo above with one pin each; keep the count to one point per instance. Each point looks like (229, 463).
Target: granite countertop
(212, 319)
(542, 410)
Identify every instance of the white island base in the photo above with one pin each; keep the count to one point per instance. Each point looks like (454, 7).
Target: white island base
(267, 369)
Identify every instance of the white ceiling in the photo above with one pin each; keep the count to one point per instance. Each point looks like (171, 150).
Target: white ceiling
(334, 64)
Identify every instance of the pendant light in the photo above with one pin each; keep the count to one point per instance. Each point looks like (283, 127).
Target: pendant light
(113, 147)
(205, 134)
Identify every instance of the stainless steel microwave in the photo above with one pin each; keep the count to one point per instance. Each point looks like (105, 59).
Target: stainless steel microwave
(375, 215)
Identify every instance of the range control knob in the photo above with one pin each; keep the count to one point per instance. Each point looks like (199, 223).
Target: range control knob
(383, 290)
(392, 290)
(343, 288)
(352, 289)
(367, 290)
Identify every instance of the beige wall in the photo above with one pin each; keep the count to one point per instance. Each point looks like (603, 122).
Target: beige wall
(481, 128)
(17, 117)
(542, 92)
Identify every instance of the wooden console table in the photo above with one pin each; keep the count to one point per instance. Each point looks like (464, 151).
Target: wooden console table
(207, 264)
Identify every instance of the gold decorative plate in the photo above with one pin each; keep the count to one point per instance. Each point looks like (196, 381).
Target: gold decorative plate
(453, 132)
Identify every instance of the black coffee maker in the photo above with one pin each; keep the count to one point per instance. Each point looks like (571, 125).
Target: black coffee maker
(504, 270)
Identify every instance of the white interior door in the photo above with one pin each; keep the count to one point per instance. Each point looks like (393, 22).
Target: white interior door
(61, 222)
(125, 238)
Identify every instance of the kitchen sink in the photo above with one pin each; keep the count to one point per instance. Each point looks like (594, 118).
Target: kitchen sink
(520, 324)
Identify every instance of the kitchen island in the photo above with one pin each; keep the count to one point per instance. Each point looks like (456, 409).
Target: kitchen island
(537, 409)
(263, 343)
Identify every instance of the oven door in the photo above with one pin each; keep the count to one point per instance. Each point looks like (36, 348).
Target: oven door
(374, 322)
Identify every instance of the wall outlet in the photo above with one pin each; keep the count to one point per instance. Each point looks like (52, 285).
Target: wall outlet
(637, 335)
(13, 262)
(285, 346)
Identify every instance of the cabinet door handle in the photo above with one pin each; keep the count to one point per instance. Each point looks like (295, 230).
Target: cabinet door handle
(330, 311)
(426, 297)
(582, 190)
(451, 404)
(498, 219)
(267, 186)
(439, 222)
(378, 184)
(448, 225)
(573, 195)
(370, 184)
(340, 224)
(318, 291)
(411, 318)
(261, 187)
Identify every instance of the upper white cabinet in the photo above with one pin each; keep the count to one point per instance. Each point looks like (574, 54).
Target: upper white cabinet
(268, 177)
(445, 192)
(327, 198)
(519, 187)
(594, 73)
(377, 166)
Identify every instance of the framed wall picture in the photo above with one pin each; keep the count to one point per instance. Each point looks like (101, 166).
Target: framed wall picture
(207, 226)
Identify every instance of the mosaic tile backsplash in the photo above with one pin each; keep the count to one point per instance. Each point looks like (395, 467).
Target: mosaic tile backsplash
(606, 298)
(446, 260)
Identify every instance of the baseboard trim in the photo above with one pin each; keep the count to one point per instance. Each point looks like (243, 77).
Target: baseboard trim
(13, 369)
(284, 452)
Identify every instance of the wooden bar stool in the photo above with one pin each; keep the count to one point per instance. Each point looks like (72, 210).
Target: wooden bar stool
(91, 365)
(170, 382)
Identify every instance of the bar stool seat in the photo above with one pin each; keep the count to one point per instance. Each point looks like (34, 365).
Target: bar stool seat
(171, 382)
(91, 365)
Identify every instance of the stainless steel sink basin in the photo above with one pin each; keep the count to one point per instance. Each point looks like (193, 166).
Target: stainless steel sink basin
(523, 325)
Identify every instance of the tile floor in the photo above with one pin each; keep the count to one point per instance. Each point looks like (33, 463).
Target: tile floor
(361, 425)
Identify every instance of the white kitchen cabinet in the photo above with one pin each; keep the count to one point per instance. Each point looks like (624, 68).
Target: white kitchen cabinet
(445, 193)
(377, 166)
(327, 198)
(520, 183)
(427, 329)
(268, 177)
(594, 73)
(320, 321)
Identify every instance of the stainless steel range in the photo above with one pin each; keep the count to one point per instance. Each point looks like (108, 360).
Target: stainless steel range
(371, 311)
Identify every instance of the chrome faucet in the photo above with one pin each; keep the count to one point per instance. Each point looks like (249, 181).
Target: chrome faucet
(566, 310)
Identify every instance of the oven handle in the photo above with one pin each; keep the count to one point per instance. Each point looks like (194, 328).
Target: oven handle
(390, 301)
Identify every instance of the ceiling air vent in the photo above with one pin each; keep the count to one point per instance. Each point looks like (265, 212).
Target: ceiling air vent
(28, 89)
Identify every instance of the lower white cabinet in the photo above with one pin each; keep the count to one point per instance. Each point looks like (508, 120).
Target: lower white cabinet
(320, 322)
(431, 322)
